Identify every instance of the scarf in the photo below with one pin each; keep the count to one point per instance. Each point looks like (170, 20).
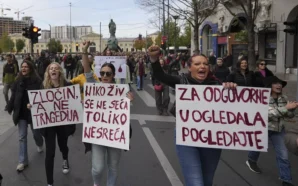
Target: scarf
(141, 69)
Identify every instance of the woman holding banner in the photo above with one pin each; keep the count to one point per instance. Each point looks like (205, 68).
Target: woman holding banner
(198, 164)
(55, 78)
(99, 152)
(27, 79)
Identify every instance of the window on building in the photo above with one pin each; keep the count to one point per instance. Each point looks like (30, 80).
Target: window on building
(41, 45)
(125, 44)
(209, 41)
(37, 45)
(120, 44)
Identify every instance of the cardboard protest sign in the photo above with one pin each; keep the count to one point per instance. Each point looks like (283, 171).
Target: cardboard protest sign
(214, 117)
(55, 107)
(118, 61)
(106, 115)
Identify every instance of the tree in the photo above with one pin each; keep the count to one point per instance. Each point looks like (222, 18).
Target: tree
(20, 44)
(54, 46)
(251, 10)
(149, 42)
(6, 44)
(185, 38)
(158, 40)
(193, 11)
(139, 44)
(174, 32)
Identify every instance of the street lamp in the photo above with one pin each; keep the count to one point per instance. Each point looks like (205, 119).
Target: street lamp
(175, 17)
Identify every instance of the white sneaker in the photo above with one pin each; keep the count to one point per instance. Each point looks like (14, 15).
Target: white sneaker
(21, 167)
(65, 167)
(40, 149)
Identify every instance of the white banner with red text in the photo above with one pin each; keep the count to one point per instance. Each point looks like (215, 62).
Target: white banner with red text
(214, 117)
(119, 63)
(56, 106)
(106, 115)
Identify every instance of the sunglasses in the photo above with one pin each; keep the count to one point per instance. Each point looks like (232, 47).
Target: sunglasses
(262, 64)
(108, 74)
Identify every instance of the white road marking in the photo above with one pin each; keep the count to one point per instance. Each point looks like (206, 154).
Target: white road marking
(145, 96)
(167, 167)
(172, 97)
(142, 118)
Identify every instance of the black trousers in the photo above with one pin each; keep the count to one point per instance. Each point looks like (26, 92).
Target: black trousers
(69, 71)
(162, 99)
(50, 140)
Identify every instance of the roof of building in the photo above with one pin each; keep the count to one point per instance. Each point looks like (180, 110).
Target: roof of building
(91, 35)
(155, 33)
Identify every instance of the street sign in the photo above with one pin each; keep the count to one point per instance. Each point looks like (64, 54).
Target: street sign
(164, 38)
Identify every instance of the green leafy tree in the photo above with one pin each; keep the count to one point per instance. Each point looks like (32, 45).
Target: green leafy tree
(149, 42)
(174, 32)
(6, 43)
(139, 44)
(20, 44)
(54, 46)
(158, 40)
(185, 38)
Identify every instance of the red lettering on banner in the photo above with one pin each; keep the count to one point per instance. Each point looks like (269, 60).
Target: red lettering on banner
(101, 105)
(220, 117)
(119, 105)
(105, 134)
(40, 106)
(103, 117)
(246, 95)
(89, 104)
(194, 94)
(56, 117)
(61, 105)
(53, 95)
(223, 138)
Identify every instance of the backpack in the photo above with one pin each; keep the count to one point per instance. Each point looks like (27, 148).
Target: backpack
(183, 80)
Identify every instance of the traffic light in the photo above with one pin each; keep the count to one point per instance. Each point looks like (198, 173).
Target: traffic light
(34, 33)
(292, 27)
(163, 45)
(26, 32)
(77, 47)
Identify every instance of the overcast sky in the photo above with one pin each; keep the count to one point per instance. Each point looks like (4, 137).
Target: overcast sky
(130, 19)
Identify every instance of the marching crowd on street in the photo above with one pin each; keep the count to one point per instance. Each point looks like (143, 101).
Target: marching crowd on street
(198, 165)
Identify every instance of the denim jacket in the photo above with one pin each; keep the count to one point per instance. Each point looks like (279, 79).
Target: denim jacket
(278, 114)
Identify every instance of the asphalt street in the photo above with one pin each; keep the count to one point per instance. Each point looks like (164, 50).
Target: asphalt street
(152, 160)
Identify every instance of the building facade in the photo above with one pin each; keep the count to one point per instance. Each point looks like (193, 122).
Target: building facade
(45, 34)
(11, 26)
(70, 32)
(217, 33)
(98, 44)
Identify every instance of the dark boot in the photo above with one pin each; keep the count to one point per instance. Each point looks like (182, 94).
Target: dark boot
(165, 112)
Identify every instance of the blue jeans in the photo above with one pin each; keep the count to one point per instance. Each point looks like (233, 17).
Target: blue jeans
(23, 131)
(198, 164)
(99, 160)
(140, 82)
(277, 139)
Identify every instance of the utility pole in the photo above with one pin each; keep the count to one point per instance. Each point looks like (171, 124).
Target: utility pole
(164, 22)
(100, 37)
(168, 27)
(70, 29)
(146, 42)
(159, 15)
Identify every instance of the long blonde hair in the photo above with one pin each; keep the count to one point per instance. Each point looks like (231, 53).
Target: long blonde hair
(47, 83)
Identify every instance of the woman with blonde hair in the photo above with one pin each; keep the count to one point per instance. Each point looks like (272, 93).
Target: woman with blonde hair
(55, 78)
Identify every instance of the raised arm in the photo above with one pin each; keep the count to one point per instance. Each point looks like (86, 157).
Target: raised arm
(85, 60)
(158, 72)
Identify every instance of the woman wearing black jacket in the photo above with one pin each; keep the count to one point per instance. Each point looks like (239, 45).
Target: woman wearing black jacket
(198, 164)
(26, 80)
(242, 76)
(261, 73)
(221, 71)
